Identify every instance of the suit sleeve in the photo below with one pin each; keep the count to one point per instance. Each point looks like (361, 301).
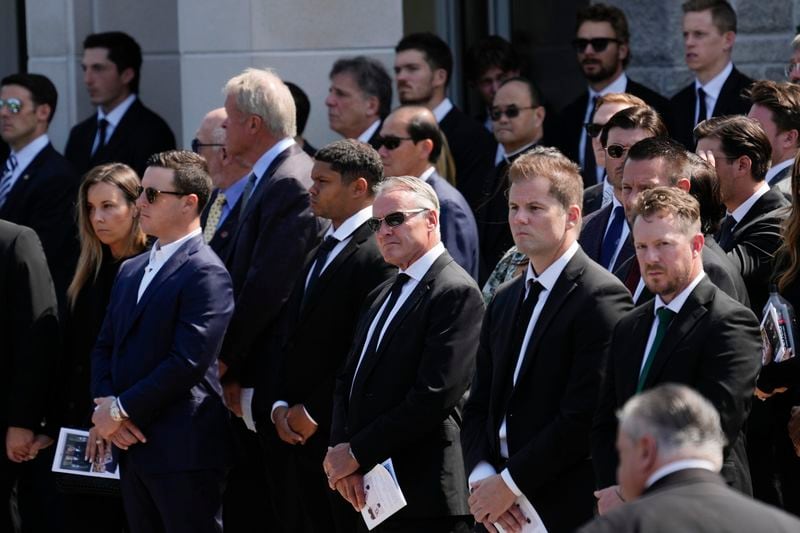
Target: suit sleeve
(287, 230)
(103, 350)
(35, 324)
(565, 440)
(205, 309)
(446, 366)
(460, 237)
(754, 254)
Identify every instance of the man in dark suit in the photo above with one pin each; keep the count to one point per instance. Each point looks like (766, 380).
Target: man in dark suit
(605, 236)
(316, 332)
(709, 33)
(776, 106)
(412, 358)
(275, 233)
(359, 98)
(123, 129)
(38, 186)
(221, 215)
(29, 329)
(423, 65)
(410, 146)
(690, 333)
(543, 341)
(154, 367)
(603, 52)
(670, 443)
(751, 232)
(491, 61)
(517, 117)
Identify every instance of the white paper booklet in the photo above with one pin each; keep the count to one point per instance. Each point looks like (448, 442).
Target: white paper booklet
(70, 456)
(534, 522)
(383, 494)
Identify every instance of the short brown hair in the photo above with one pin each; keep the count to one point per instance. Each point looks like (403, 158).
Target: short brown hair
(672, 200)
(191, 173)
(632, 118)
(618, 98)
(566, 184)
(606, 13)
(722, 14)
(782, 99)
(739, 136)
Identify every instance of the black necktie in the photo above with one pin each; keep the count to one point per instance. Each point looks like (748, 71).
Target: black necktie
(102, 128)
(589, 164)
(701, 98)
(521, 323)
(324, 249)
(725, 234)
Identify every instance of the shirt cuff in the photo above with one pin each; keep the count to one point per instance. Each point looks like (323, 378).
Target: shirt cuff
(506, 475)
(481, 471)
(122, 409)
(309, 416)
(279, 403)
(247, 408)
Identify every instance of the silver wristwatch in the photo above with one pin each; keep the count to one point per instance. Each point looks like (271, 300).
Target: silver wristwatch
(116, 412)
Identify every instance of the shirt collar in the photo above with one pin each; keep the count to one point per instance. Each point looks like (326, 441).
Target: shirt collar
(675, 466)
(441, 110)
(548, 278)
(426, 174)
(161, 254)
(676, 303)
(420, 267)
(115, 115)
(775, 169)
(739, 213)
(509, 157)
(617, 86)
(714, 86)
(30, 151)
(234, 191)
(352, 223)
(263, 163)
(367, 135)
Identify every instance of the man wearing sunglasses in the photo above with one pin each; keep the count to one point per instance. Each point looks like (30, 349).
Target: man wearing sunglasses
(154, 368)
(38, 186)
(410, 144)
(413, 356)
(603, 51)
(123, 129)
(709, 34)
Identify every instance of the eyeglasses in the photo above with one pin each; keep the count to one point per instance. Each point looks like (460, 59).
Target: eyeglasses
(393, 219)
(196, 145)
(390, 141)
(592, 129)
(615, 151)
(151, 194)
(599, 44)
(14, 105)
(511, 111)
(790, 68)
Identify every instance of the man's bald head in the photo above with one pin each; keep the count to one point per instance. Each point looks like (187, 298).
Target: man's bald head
(211, 130)
(210, 137)
(419, 141)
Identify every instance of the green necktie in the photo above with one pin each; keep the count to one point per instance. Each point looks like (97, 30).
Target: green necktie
(665, 316)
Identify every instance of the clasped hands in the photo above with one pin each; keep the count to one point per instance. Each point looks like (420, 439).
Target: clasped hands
(292, 424)
(23, 445)
(491, 502)
(341, 468)
(107, 430)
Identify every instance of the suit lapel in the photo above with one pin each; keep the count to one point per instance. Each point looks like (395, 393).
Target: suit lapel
(631, 364)
(258, 192)
(24, 180)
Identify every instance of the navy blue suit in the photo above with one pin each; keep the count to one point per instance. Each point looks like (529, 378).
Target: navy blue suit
(457, 223)
(159, 357)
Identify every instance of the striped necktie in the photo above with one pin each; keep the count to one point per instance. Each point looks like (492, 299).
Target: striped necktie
(5, 181)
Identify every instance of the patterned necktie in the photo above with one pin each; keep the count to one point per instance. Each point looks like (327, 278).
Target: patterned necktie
(5, 180)
(613, 235)
(701, 98)
(665, 317)
(214, 214)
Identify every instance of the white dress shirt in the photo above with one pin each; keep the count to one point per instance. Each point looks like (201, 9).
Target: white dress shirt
(113, 118)
(740, 212)
(369, 132)
(712, 90)
(774, 170)
(25, 157)
(159, 255)
(441, 110)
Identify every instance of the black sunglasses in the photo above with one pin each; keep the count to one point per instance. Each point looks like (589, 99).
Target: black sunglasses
(615, 151)
(393, 219)
(390, 141)
(151, 194)
(196, 145)
(14, 105)
(599, 44)
(511, 111)
(592, 129)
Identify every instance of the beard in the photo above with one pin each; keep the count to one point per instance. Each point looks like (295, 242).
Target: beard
(602, 73)
(422, 98)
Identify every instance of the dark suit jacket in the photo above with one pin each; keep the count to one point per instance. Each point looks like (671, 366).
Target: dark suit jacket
(473, 150)
(457, 224)
(592, 199)
(28, 327)
(682, 106)
(159, 357)
(222, 240)
(404, 402)
(569, 122)
(43, 198)
(712, 345)
(549, 411)
(316, 337)
(275, 234)
(756, 238)
(140, 134)
(693, 500)
(591, 239)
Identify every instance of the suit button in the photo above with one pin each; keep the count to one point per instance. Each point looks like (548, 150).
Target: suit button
(510, 415)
